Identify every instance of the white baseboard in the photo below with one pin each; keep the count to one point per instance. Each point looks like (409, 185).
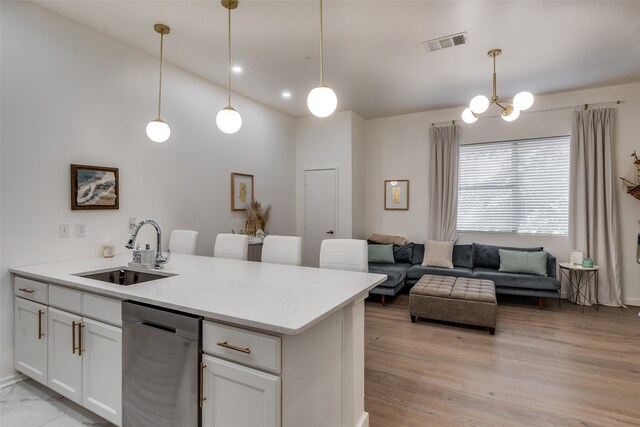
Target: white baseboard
(364, 420)
(5, 382)
(631, 301)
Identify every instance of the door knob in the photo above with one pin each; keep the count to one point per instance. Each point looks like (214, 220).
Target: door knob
(329, 232)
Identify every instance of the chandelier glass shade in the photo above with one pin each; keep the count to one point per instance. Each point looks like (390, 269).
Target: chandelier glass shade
(157, 129)
(228, 119)
(322, 100)
(509, 111)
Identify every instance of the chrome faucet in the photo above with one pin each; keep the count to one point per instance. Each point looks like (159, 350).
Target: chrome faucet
(160, 257)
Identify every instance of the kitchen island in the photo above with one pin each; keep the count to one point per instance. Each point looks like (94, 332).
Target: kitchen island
(312, 320)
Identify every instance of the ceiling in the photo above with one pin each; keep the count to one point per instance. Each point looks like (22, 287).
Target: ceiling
(374, 56)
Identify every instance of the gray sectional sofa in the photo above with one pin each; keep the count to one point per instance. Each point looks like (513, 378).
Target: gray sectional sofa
(475, 261)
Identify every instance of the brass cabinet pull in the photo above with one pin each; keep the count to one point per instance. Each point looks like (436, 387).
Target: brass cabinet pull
(73, 337)
(224, 344)
(40, 333)
(80, 349)
(202, 396)
(27, 290)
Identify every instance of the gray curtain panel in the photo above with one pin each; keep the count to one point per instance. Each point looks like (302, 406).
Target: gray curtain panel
(443, 173)
(593, 209)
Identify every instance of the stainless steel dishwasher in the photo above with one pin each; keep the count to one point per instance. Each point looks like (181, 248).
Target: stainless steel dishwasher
(161, 354)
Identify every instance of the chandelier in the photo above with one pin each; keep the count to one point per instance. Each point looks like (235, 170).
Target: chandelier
(510, 111)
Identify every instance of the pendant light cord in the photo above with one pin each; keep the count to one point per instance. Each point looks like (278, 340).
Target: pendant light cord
(160, 85)
(321, 49)
(229, 59)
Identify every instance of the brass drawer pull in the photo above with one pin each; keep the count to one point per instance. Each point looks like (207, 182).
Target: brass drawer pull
(224, 344)
(40, 333)
(27, 290)
(202, 396)
(73, 337)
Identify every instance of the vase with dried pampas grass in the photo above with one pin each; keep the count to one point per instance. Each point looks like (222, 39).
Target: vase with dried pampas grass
(257, 217)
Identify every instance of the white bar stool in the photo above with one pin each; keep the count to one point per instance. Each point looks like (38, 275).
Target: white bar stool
(234, 246)
(344, 254)
(282, 250)
(183, 242)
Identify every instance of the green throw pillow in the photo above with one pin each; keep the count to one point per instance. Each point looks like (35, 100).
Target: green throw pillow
(381, 254)
(523, 262)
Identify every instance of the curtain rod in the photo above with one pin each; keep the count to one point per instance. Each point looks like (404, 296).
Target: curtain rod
(586, 106)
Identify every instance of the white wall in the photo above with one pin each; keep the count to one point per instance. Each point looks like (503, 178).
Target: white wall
(320, 144)
(72, 95)
(398, 148)
(359, 183)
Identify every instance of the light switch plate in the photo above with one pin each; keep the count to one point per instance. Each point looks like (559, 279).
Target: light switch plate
(81, 230)
(63, 230)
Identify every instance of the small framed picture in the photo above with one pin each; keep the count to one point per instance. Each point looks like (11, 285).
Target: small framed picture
(396, 194)
(241, 191)
(94, 187)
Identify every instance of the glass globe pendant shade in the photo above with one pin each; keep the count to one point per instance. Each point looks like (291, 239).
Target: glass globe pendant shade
(158, 131)
(228, 120)
(322, 101)
(479, 104)
(468, 116)
(523, 101)
(510, 114)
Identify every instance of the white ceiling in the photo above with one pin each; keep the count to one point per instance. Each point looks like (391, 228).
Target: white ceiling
(374, 57)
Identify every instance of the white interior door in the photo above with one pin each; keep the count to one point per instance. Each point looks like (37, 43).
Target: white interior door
(320, 212)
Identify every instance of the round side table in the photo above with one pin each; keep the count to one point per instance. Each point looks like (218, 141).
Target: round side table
(579, 279)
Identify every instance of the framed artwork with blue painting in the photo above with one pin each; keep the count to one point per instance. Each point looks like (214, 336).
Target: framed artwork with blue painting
(94, 187)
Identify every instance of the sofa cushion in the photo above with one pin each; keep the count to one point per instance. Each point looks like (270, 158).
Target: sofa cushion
(463, 256)
(515, 280)
(418, 253)
(487, 256)
(396, 273)
(403, 253)
(417, 271)
(523, 262)
(438, 254)
(381, 254)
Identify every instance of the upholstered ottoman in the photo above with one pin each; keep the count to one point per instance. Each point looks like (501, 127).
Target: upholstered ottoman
(454, 299)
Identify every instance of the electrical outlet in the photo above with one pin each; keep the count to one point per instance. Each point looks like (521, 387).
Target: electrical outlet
(63, 230)
(81, 230)
(132, 224)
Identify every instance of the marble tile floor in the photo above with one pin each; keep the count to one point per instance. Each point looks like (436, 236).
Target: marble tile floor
(29, 404)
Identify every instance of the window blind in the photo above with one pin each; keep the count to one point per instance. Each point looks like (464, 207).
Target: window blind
(519, 186)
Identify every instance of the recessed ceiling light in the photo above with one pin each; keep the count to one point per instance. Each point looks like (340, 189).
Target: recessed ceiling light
(286, 94)
(237, 69)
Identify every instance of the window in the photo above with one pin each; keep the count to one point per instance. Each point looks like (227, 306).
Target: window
(517, 186)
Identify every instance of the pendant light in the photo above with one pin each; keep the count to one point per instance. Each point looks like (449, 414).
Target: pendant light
(510, 112)
(158, 130)
(228, 119)
(322, 100)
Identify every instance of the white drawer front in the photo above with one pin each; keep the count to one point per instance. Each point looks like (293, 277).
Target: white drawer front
(250, 348)
(65, 299)
(101, 308)
(31, 289)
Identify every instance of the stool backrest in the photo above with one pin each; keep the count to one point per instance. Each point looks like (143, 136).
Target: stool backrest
(235, 246)
(344, 254)
(282, 250)
(183, 241)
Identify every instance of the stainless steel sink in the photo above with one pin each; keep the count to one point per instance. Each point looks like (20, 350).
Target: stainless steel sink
(123, 276)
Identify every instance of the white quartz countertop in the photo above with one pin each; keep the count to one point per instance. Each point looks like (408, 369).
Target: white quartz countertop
(277, 298)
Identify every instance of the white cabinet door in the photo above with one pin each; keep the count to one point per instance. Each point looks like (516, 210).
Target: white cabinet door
(65, 360)
(31, 339)
(102, 369)
(237, 396)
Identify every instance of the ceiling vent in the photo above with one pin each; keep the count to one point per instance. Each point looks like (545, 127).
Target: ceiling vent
(445, 42)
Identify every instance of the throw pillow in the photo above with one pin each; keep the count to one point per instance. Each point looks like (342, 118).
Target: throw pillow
(403, 253)
(438, 254)
(381, 254)
(523, 262)
(385, 239)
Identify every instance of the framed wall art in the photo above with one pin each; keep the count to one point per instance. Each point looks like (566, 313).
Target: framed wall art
(396, 194)
(94, 187)
(241, 191)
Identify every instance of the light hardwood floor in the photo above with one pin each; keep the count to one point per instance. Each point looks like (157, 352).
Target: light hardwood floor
(551, 367)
